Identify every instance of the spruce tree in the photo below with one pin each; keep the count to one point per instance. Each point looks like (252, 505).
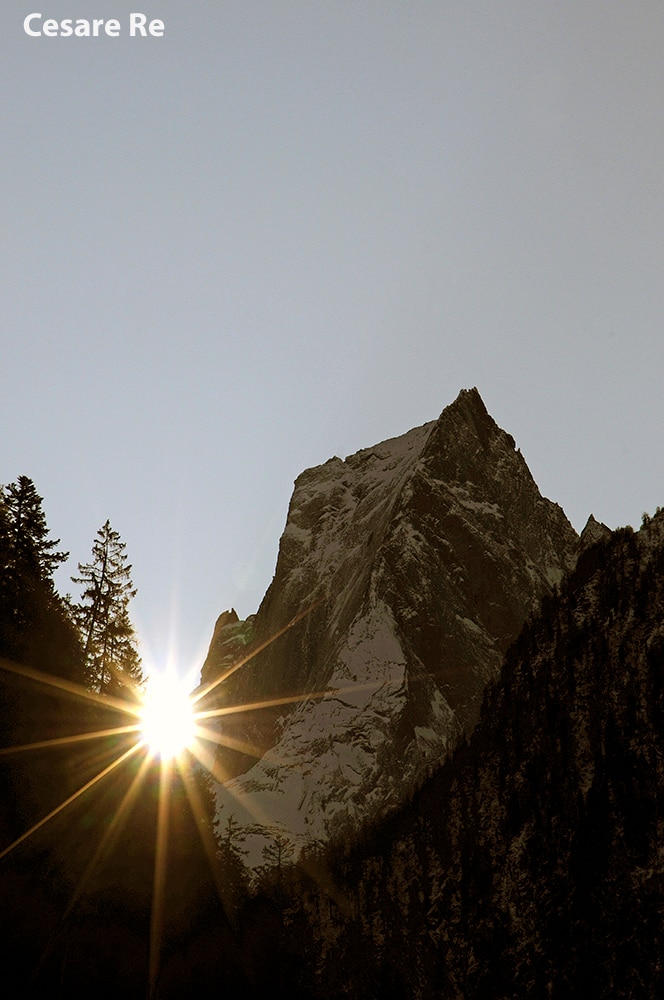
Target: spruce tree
(31, 552)
(108, 636)
(35, 624)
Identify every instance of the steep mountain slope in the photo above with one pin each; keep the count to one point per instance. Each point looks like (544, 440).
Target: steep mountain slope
(407, 570)
(531, 864)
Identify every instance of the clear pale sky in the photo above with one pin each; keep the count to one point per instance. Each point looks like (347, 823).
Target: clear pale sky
(289, 230)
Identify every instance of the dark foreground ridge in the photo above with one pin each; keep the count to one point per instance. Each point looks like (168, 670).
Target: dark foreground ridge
(530, 864)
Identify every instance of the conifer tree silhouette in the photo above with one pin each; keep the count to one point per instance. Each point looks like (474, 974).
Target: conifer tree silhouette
(35, 622)
(109, 639)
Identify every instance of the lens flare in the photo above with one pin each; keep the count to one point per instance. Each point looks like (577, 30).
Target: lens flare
(163, 723)
(167, 717)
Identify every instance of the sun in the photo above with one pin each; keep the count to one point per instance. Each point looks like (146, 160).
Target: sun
(167, 718)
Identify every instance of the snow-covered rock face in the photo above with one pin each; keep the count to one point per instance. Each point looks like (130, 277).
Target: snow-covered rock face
(407, 570)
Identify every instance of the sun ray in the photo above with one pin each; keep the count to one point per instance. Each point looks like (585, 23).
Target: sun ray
(72, 798)
(253, 706)
(214, 766)
(207, 688)
(159, 883)
(62, 684)
(205, 833)
(68, 740)
(292, 699)
(114, 828)
(201, 747)
(204, 755)
(225, 740)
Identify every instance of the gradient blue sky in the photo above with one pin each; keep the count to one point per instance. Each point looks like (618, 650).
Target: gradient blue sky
(288, 230)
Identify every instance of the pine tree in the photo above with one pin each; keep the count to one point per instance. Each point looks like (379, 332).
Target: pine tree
(30, 551)
(27, 559)
(35, 624)
(278, 853)
(108, 636)
(234, 879)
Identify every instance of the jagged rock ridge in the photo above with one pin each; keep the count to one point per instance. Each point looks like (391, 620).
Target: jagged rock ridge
(408, 569)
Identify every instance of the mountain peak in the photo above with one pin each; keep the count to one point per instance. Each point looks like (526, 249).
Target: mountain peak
(404, 572)
(468, 398)
(593, 531)
(468, 410)
(470, 405)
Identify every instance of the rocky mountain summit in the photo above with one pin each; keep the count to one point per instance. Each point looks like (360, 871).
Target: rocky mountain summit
(404, 573)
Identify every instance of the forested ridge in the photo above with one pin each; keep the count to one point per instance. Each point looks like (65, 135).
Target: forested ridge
(530, 864)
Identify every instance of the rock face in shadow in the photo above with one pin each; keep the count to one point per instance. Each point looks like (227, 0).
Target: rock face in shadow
(403, 574)
(530, 863)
